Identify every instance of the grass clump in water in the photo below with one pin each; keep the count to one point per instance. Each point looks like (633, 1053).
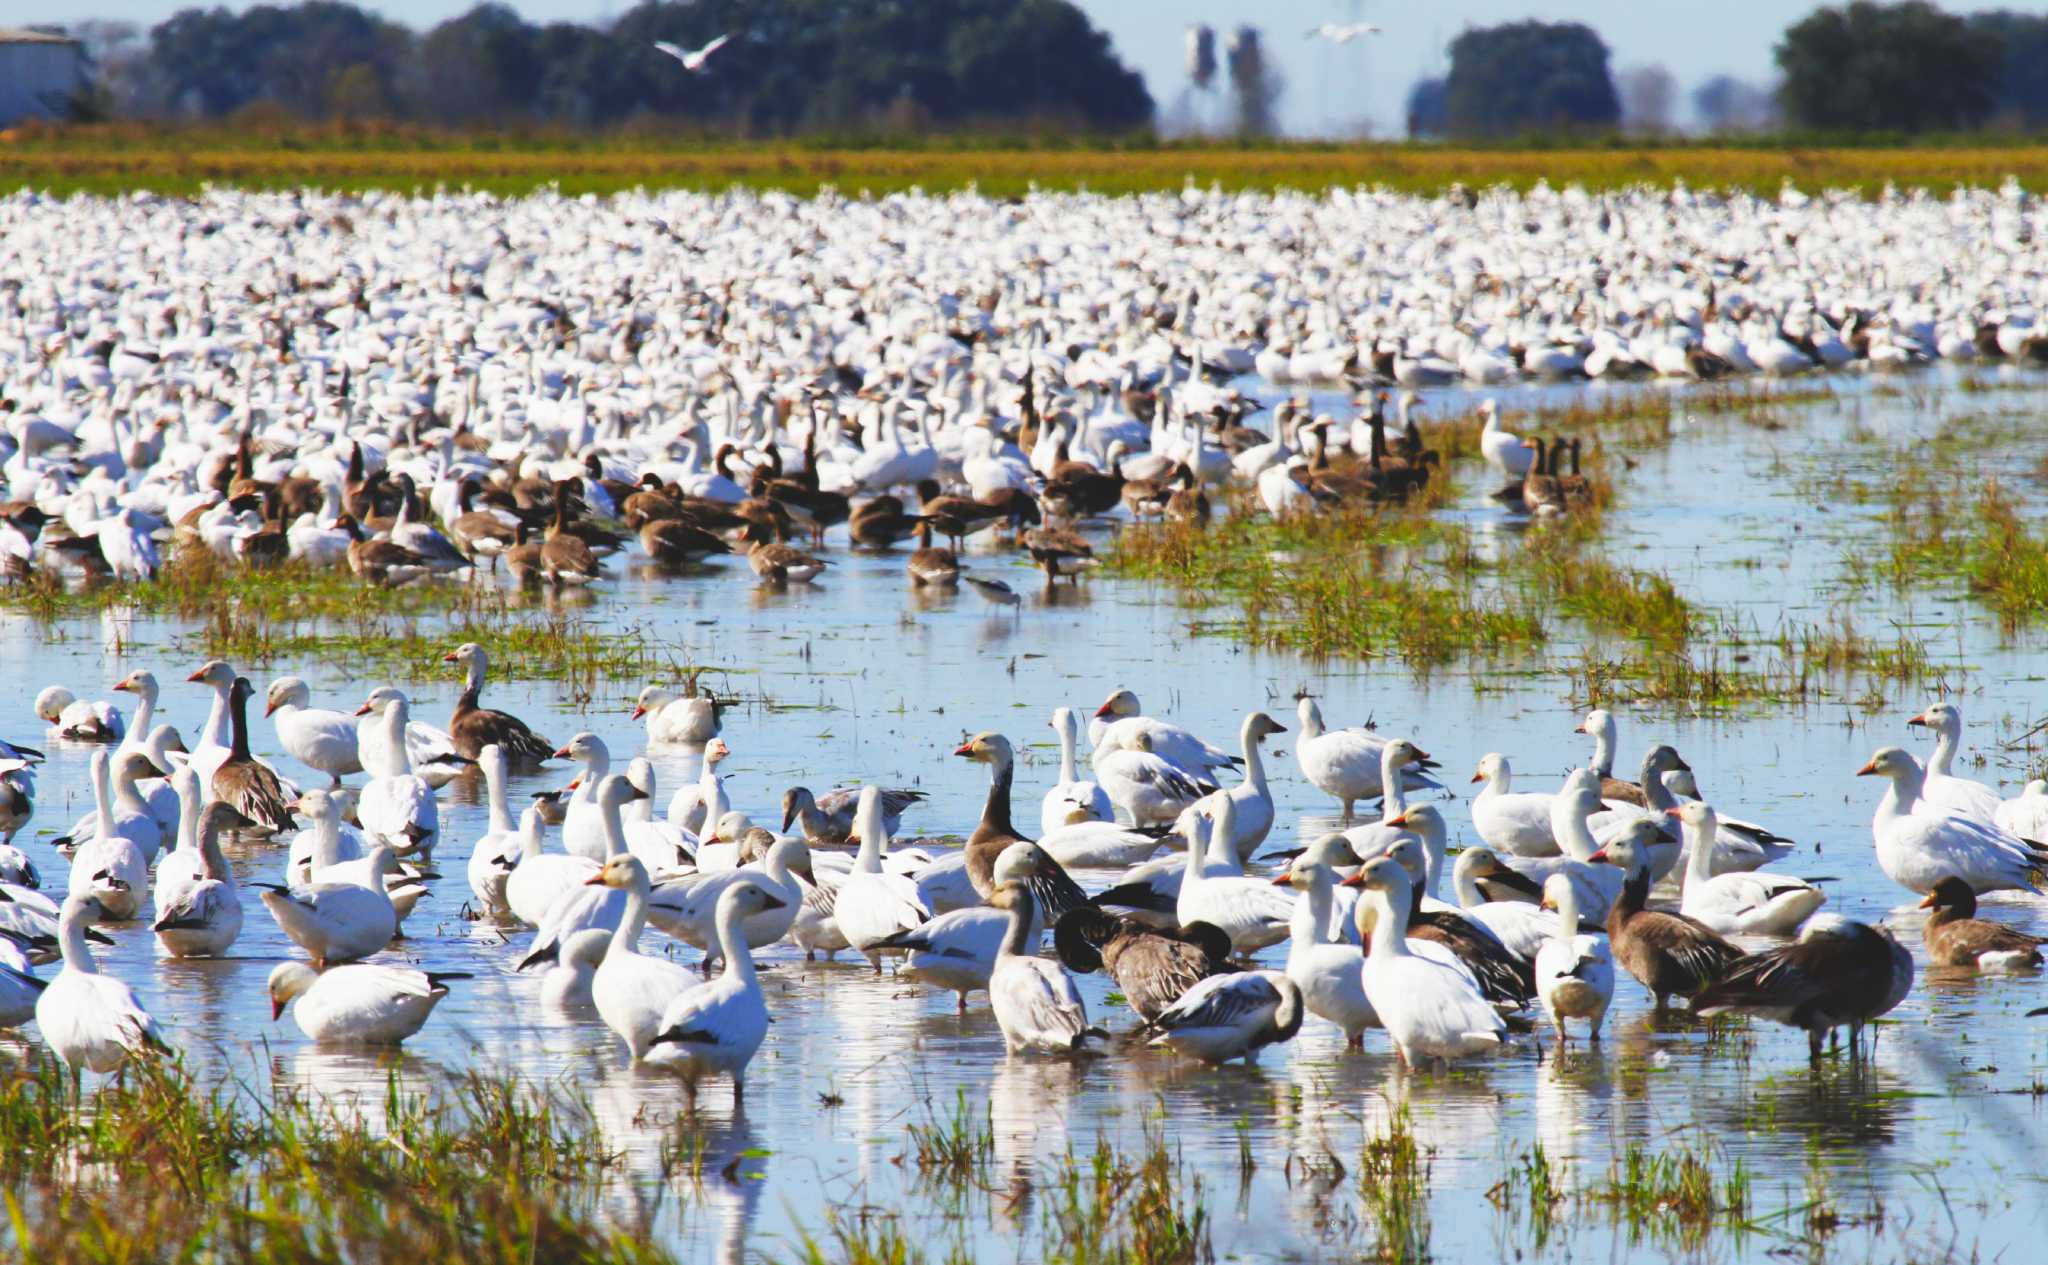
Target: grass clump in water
(1393, 1182)
(1118, 1209)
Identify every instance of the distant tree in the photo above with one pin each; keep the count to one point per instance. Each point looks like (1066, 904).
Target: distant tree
(480, 67)
(1892, 67)
(1525, 75)
(2021, 96)
(217, 61)
(1647, 94)
(1727, 104)
(1427, 115)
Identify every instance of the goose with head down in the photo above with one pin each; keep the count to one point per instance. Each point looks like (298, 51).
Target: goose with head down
(1152, 968)
(357, 1004)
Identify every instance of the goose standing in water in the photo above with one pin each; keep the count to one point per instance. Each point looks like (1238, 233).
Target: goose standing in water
(90, 1020)
(322, 740)
(829, 818)
(1919, 844)
(592, 903)
(567, 984)
(1943, 788)
(2026, 814)
(254, 788)
(540, 877)
(1514, 822)
(1071, 799)
(1957, 937)
(873, 905)
(1667, 953)
(1036, 1002)
(1150, 789)
(696, 902)
(357, 1004)
(201, 917)
(338, 922)
(1120, 720)
(1574, 970)
(19, 987)
(676, 717)
(475, 727)
(1327, 973)
(212, 746)
(1152, 969)
(430, 749)
(1252, 799)
(1431, 1009)
(1742, 903)
(632, 989)
(1346, 763)
(398, 808)
(498, 850)
(583, 824)
(698, 808)
(142, 684)
(1248, 910)
(1837, 972)
(1231, 1016)
(714, 1028)
(112, 866)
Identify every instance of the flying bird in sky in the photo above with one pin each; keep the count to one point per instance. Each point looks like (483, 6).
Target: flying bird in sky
(692, 61)
(1343, 33)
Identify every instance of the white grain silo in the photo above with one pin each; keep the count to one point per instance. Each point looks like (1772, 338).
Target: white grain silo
(1201, 54)
(40, 73)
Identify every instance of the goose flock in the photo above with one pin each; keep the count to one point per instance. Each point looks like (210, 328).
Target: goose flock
(1157, 871)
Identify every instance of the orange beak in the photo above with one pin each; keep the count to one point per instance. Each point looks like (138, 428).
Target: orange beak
(562, 754)
(449, 657)
(1356, 880)
(1398, 819)
(965, 748)
(1284, 880)
(575, 782)
(1920, 719)
(1673, 810)
(1601, 855)
(595, 880)
(1927, 903)
(276, 1009)
(200, 675)
(1869, 767)
(638, 712)
(364, 710)
(267, 707)
(1579, 728)
(121, 686)
(1479, 777)
(1102, 711)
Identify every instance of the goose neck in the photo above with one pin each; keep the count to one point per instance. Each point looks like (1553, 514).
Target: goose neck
(1311, 912)
(733, 946)
(995, 811)
(1464, 882)
(1254, 762)
(501, 808)
(72, 942)
(1067, 767)
(102, 800)
(633, 920)
(1699, 858)
(1017, 933)
(1390, 929)
(614, 830)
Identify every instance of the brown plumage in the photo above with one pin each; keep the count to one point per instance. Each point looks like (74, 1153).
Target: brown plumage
(994, 834)
(1667, 953)
(1152, 968)
(1085, 492)
(474, 727)
(379, 561)
(928, 565)
(566, 557)
(1502, 976)
(650, 502)
(479, 533)
(776, 562)
(1051, 546)
(954, 517)
(881, 523)
(676, 541)
(1540, 490)
(1957, 937)
(252, 788)
(1838, 972)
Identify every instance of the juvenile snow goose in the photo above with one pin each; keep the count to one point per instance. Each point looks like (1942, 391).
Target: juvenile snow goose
(1957, 937)
(357, 1004)
(475, 727)
(90, 1020)
(1036, 1003)
(1838, 972)
(254, 788)
(1667, 953)
(1232, 1016)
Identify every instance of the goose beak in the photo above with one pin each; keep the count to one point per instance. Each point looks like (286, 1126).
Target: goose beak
(1479, 777)
(200, 675)
(276, 1008)
(1356, 880)
(1869, 768)
(561, 753)
(1600, 855)
(1398, 819)
(638, 712)
(1420, 754)
(1927, 903)
(1920, 719)
(965, 748)
(1102, 711)
(364, 710)
(1673, 811)
(121, 686)
(1579, 728)
(1283, 880)
(574, 782)
(267, 707)
(1547, 903)
(449, 657)
(595, 880)
(772, 902)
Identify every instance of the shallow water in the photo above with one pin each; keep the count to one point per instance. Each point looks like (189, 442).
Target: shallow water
(859, 678)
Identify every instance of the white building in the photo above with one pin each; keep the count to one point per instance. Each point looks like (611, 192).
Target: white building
(39, 74)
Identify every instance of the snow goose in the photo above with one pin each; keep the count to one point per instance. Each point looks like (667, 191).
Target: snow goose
(1739, 903)
(1071, 800)
(1570, 809)
(956, 951)
(1328, 974)
(142, 684)
(1152, 969)
(1150, 789)
(583, 826)
(338, 922)
(873, 904)
(474, 727)
(1232, 1016)
(1503, 450)
(1122, 722)
(498, 850)
(1574, 970)
(111, 865)
(1505, 977)
(1254, 800)
(254, 788)
(1838, 972)
(398, 808)
(698, 808)
(541, 877)
(696, 900)
(19, 987)
(128, 815)
(1942, 787)
(1345, 763)
(201, 916)
(76, 719)
(2026, 814)
(1524, 928)
(357, 1004)
(1919, 844)
(1248, 910)
(1431, 1009)
(213, 744)
(1739, 845)
(1036, 1003)
(714, 1028)
(324, 842)
(1957, 937)
(1150, 893)
(592, 903)
(1514, 822)
(631, 989)
(1374, 838)
(88, 1019)
(566, 986)
(660, 846)
(322, 740)
(431, 751)
(676, 717)
(828, 818)
(1667, 953)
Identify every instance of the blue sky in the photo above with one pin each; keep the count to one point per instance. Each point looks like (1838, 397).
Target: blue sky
(1330, 91)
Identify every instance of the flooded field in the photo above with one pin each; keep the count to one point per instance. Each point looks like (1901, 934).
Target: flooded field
(879, 1120)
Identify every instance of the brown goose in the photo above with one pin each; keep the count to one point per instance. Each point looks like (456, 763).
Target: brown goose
(939, 567)
(651, 501)
(993, 834)
(1837, 972)
(523, 559)
(801, 498)
(473, 727)
(778, 563)
(380, 561)
(882, 522)
(1541, 493)
(565, 557)
(1189, 503)
(254, 789)
(1667, 953)
(1957, 937)
(1051, 546)
(1086, 492)
(479, 533)
(678, 541)
(569, 497)
(1152, 968)
(1577, 488)
(955, 517)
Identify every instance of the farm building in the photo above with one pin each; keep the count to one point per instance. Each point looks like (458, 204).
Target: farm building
(39, 74)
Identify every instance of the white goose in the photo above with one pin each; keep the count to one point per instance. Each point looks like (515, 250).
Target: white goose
(1071, 800)
(215, 742)
(631, 990)
(1524, 928)
(1741, 903)
(19, 987)
(1430, 1009)
(88, 1019)
(675, 717)
(1515, 822)
(1252, 798)
(200, 917)
(1574, 970)
(1148, 787)
(1919, 844)
(2026, 814)
(698, 807)
(696, 900)
(111, 866)
(338, 922)
(714, 1028)
(540, 878)
(1942, 787)
(498, 850)
(1250, 911)
(78, 719)
(182, 866)
(1122, 722)
(1036, 1002)
(320, 739)
(1503, 450)
(1595, 885)
(357, 1004)
(430, 748)
(324, 843)
(1232, 1016)
(1346, 763)
(1327, 973)
(397, 807)
(583, 826)
(662, 847)
(566, 986)
(1374, 838)
(593, 903)
(873, 904)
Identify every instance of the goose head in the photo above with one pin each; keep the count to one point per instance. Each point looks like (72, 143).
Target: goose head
(50, 704)
(1014, 870)
(987, 747)
(286, 691)
(1942, 718)
(1119, 704)
(139, 683)
(624, 872)
(1629, 848)
(1695, 816)
(217, 673)
(716, 750)
(1952, 896)
(585, 746)
(1259, 726)
(288, 982)
(653, 699)
(747, 898)
(1491, 765)
(1895, 763)
(1385, 875)
(382, 700)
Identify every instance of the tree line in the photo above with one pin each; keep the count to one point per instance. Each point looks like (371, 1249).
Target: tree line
(790, 65)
